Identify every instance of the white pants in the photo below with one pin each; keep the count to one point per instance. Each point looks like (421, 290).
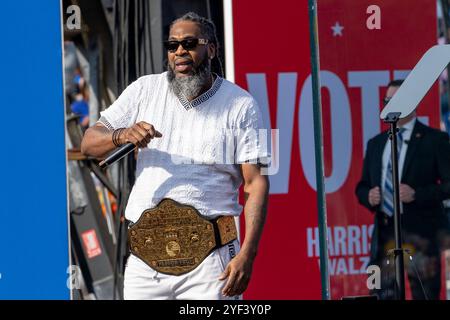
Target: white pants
(144, 283)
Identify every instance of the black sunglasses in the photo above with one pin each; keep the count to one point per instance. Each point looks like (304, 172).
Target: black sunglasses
(187, 44)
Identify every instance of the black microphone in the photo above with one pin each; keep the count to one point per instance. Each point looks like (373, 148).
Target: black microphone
(118, 154)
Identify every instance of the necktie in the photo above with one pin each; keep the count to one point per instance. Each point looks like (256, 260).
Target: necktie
(388, 192)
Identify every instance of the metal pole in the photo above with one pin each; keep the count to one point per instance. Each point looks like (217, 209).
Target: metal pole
(392, 118)
(318, 143)
(229, 40)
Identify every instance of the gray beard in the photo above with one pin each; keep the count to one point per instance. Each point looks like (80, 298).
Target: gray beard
(190, 86)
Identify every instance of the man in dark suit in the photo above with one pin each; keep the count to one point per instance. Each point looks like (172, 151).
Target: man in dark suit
(424, 173)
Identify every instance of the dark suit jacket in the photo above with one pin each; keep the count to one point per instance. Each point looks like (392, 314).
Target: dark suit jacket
(426, 169)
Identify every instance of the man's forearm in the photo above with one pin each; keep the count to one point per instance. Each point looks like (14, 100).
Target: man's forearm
(255, 214)
(97, 142)
(362, 193)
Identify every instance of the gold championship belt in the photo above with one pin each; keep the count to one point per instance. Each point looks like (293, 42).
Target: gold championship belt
(173, 238)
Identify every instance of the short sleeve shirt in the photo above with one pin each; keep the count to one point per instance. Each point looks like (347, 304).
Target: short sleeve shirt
(196, 161)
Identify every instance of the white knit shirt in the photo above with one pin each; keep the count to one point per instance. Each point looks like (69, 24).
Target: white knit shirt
(185, 163)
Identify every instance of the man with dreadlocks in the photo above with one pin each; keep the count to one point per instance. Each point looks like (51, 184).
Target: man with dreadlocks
(183, 238)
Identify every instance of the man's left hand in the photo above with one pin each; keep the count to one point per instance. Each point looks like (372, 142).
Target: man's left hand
(407, 194)
(238, 272)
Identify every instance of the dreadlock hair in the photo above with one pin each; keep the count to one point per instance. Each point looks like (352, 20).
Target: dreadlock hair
(208, 30)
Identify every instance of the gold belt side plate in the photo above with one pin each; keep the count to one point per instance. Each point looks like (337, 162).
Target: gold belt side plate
(172, 238)
(227, 229)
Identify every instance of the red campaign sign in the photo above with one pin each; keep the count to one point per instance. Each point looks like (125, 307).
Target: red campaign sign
(272, 61)
(91, 243)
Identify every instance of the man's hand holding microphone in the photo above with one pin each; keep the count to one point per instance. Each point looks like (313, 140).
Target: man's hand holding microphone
(127, 139)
